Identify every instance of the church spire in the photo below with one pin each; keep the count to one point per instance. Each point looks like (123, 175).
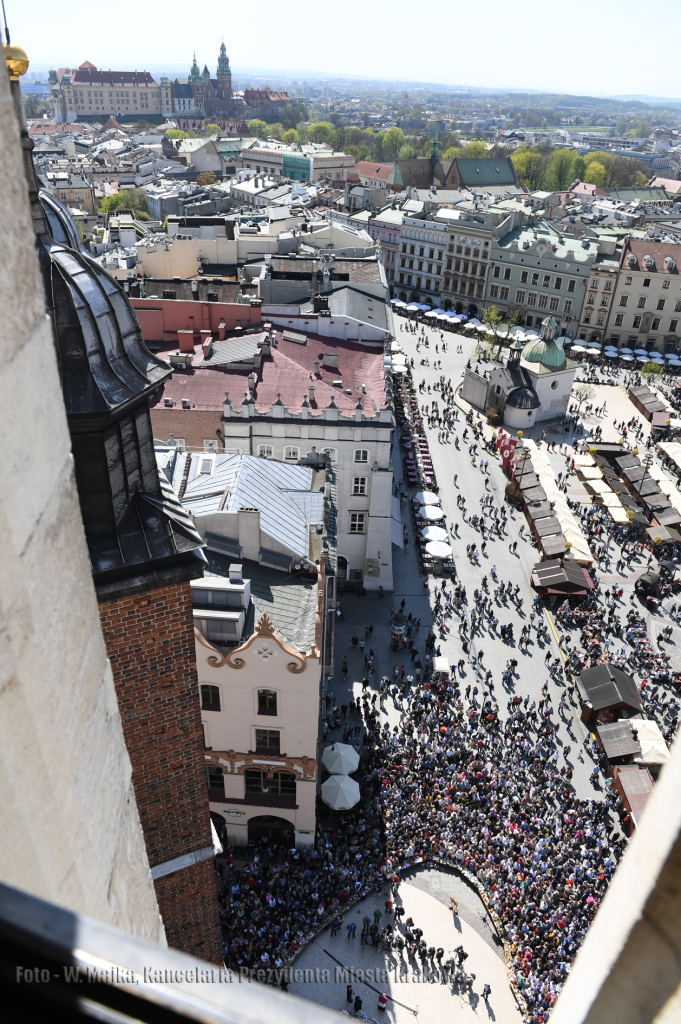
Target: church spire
(223, 61)
(195, 74)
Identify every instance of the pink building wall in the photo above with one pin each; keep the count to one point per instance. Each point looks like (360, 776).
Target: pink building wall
(161, 319)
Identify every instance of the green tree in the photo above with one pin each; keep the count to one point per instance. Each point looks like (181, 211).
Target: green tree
(213, 129)
(451, 152)
(290, 137)
(406, 152)
(133, 199)
(176, 133)
(595, 174)
(475, 150)
(276, 131)
(323, 132)
(560, 172)
(495, 319)
(293, 113)
(142, 125)
(35, 106)
(640, 180)
(582, 393)
(206, 178)
(579, 168)
(258, 128)
(393, 141)
(651, 370)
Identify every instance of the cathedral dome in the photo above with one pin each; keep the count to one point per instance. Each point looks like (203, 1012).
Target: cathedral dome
(62, 225)
(547, 352)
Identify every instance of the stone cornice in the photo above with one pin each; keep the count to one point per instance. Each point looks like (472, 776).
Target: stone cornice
(235, 763)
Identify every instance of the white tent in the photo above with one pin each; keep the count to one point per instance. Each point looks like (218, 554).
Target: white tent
(438, 549)
(434, 533)
(340, 759)
(431, 512)
(427, 498)
(340, 792)
(654, 750)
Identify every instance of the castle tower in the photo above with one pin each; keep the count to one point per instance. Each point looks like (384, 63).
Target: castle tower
(194, 74)
(224, 74)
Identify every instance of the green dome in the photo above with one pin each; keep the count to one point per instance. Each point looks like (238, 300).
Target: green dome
(547, 352)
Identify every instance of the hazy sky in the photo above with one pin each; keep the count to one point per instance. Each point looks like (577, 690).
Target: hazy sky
(616, 49)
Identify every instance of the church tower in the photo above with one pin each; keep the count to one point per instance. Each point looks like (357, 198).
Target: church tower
(224, 74)
(194, 74)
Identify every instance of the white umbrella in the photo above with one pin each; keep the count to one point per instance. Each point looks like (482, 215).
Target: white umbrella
(640, 351)
(475, 322)
(427, 498)
(442, 316)
(578, 348)
(531, 333)
(432, 313)
(626, 350)
(434, 533)
(517, 330)
(593, 351)
(670, 355)
(438, 549)
(431, 512)
(340, 792)
(340, 759)
(627, 359)
(470, 326)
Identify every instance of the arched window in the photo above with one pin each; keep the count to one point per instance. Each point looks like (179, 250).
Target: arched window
(265, 451)
(216, 781)
(267, 702)
(291, 453)
(210, 698)
(281, 783)
(361, 455)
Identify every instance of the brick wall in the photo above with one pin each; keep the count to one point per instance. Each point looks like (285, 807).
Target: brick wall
(150, 641)
(194, 425)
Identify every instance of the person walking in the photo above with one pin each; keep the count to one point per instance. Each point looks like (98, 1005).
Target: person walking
(349, 993)
(358, 1004)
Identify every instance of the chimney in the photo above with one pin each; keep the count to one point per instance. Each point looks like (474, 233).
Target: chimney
(221, 331)
(316, 367)
(311, 393)
(226, 407)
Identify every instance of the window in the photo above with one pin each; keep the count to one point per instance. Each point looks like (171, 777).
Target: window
(655, 324)
(547, 281)
(619, 319)
(608, 286)
(459, 249)
(660, 303)
(359, 485)
(356, 522)
(604, 300)
(558, 283)
(528, 321)
(673, 324)
(567, 308)
(535, 279)
(532, 299)
(554, 385)
(291, 453)
(267, 741)
(637, 321)
(593, 283)
(496, 272)
(507, 273)
(520, 296)
(677, 307)
(543, 300)
(665, 284)
(587, 317)
(361, 455)
(627, 280)
(600, 320)
(494, 291)
(210, 698)
(641, 302)
(571, 285)
(503, 294)
(265, 450)
(216, 781)
(267, 702)
(553, 304)
(624, 299)
(523, 277)
(210, 444)
(592, 298)
(281, 783)
(646, 282)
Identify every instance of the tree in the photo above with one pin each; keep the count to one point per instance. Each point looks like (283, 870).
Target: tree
(406, 152)
(595, 174)
(651, 370)
(290, 137)
(579, 169)
(142, 125)
(393, 141)
(176, 133)
(258, 128)
(561, 170)
(322, 132)
(495, 319)
(206, 178)
(133, 199)
(475, 150)
(213, 129)
(640, 180)
(451, 152)
(35, 106)
(276, 131)
(582, 393)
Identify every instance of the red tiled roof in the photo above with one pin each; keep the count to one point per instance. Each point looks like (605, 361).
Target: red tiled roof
(584, 188)
(289, 373)
(668, 184)
(369, 170)
(642, 247)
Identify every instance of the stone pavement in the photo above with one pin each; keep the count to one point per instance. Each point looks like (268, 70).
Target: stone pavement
(424, 994)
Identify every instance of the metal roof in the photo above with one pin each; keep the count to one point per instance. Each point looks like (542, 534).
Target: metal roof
(605, 686)
(618, 739)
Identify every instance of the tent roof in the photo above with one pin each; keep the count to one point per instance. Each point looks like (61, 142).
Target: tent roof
(605, 686)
